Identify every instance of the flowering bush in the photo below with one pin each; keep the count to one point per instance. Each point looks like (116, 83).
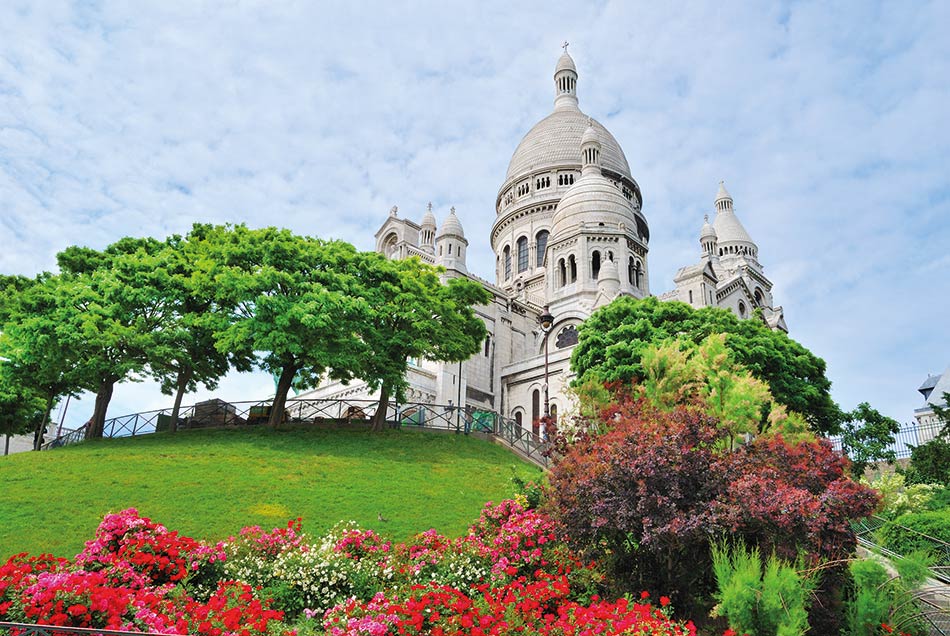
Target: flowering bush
(507, 575)
(136, 552)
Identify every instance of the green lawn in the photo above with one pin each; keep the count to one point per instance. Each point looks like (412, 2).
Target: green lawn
(209, 484)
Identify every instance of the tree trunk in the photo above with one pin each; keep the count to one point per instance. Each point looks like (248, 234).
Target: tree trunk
(183, 379)
(280, 399)
(379, 418)
(103, 396)
(41, 425)
(6, 446)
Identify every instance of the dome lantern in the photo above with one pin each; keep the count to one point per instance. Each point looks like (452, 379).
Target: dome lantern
(427, 230)
(565, 82)
(590, 150)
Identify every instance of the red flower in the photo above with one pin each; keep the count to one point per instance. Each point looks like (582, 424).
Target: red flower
(644, 594)
(664, 601)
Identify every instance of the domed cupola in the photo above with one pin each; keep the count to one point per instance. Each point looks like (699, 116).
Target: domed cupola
(427, 231)
(708, 238)
(450, 244)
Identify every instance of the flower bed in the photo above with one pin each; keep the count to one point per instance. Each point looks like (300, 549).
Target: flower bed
(508, 575)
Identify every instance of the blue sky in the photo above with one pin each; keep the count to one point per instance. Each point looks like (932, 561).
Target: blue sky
(829, 125)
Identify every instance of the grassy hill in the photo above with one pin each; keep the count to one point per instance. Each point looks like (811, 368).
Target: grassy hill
(209, 484)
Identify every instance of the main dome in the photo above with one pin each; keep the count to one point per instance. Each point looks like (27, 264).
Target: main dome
(556, 141)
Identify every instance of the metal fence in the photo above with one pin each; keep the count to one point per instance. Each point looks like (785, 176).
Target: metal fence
(410, 415)
(907, 437)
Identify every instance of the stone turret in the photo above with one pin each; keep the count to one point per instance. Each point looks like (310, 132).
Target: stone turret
(450, 244)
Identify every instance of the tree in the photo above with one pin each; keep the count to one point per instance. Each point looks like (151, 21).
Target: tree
(705, 376)
(413, 315)
(868, 436)
(11, 287)
(111, 306)
(293, 299)
(35, 346)
(612, 341)
(20, 408)
(184, 354)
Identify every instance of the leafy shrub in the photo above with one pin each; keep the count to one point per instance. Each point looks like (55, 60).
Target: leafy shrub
(903, 535)
(930, 463)
(877, 601)
(766, 602)
(898, 497)
(645, 498)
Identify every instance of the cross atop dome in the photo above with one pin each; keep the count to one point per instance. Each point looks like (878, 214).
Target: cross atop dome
(565, 45)
(565, 81)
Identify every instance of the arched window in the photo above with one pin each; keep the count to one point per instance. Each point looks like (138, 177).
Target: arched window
(691, 297)
(631, 272)
(507, 256)
(758, 296)
(487, 345)
(741, 309)
(572, 265)
(535, 410)
(518, 426)
(522, 254)
(554, 412)
(595, 265)
(561, 273)
(389, 247)
(541, 243)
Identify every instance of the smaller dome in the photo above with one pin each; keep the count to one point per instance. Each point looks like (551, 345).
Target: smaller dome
(428, 219)
(593, 200)
(708, 231)
(452, 226)
(565, 63)
(590, 135)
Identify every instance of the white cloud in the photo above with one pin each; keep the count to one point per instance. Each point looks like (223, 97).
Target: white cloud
(826, 122)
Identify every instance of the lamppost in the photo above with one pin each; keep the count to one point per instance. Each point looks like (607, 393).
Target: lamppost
(547, 321)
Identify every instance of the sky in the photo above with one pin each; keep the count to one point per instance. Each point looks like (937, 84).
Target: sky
(828, 123)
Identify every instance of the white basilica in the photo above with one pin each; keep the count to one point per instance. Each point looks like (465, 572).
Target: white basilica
(569, 236)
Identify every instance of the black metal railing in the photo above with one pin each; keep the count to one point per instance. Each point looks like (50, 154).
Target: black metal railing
(867, 531)
(411, 415)
(908, 436)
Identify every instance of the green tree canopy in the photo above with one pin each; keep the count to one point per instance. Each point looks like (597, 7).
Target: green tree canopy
(38, 358)
(413, 315)
(110, 307)
(185, 354)
(867, 436)
(291, 299)
(21, 409)
(613, 339)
